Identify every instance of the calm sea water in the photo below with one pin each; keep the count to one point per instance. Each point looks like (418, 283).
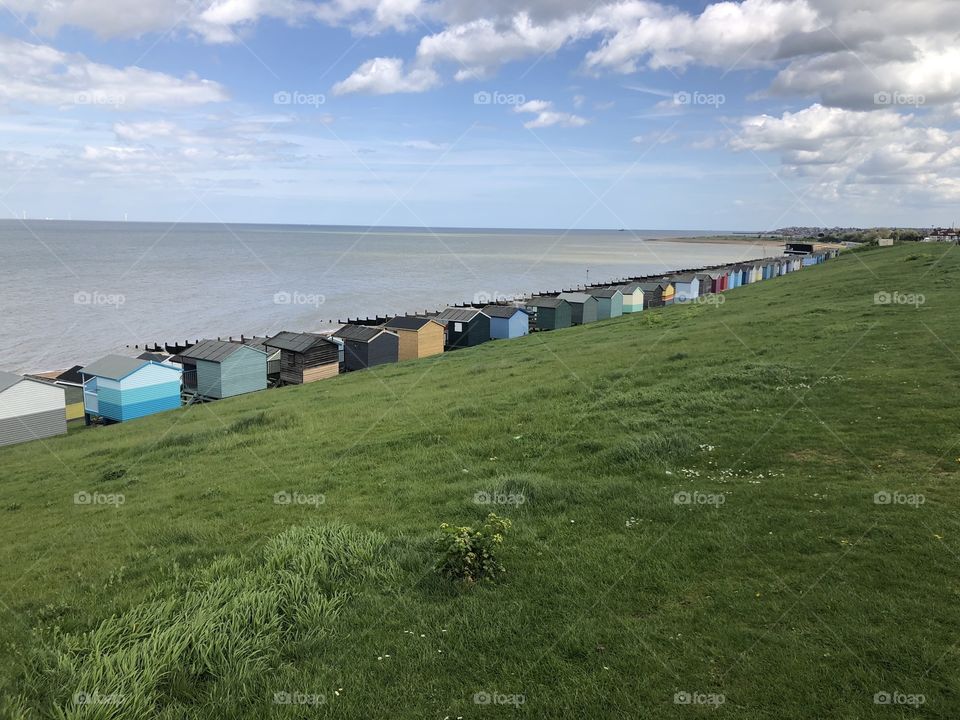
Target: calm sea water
(73, 291)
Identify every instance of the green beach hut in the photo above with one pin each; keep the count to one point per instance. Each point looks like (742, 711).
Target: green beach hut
(550, 313)
(609, 302)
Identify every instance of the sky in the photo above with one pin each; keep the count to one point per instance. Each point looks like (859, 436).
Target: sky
(749, 115)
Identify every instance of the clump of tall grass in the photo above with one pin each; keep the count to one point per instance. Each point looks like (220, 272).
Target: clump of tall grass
(213, 639)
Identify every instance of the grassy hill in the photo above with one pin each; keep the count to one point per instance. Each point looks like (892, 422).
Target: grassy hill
(699, 516)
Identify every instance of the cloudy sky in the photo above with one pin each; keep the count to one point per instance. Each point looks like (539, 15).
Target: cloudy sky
(522, 113)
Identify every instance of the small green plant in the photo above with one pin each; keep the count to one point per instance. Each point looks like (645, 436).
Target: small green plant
(471, 555)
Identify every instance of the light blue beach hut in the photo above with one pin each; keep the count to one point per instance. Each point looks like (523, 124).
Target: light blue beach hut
(118, 388)
(507, 321)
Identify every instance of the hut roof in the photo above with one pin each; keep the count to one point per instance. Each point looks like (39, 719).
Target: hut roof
(502, 311)
(8, 380)
(409, 323)
(213, 350)
(547, 302)
(360, 333)
(295, 342)
(683, 277)
(630, 287)
(459, 314)
(153, 357)
(71, 376)
(607, 292)
(114, 367)
(577, 298)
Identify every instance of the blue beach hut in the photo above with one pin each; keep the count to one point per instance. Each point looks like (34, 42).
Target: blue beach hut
(507, 321)
(118, 388)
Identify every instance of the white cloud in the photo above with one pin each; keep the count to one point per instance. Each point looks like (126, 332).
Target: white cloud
(42, 75)
(381, 76)
(546, 116)
(881, 154)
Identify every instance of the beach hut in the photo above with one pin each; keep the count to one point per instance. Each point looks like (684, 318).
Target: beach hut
(756, 272)
(669, 292)
(652, 294)
(768, 273)
(30, 409)
(706, 283)
(217, 369)
(632, 297)
(718, 281)
(466, 327)
(583, 307)
(305, 357)
(609, 302)
(72, 384)
(118, 388)
(550, 313)
(686, 286)
(420, 337)
(366, 346)
(507, 321)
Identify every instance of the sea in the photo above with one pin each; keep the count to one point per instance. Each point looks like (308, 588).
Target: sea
(71, 291)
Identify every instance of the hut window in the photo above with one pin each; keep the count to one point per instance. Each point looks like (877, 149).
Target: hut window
(458, 327)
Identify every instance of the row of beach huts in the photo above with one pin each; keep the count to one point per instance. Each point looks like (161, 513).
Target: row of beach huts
(118, 388)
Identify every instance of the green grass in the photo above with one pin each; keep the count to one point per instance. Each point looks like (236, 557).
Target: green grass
(784, 588)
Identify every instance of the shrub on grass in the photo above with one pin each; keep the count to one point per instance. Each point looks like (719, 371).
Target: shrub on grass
(470, 555)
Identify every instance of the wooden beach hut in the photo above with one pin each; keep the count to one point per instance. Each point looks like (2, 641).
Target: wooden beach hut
(652, 294)
(466, 327)
(366, 346)
(706, 283)
(669, 292)
(216, 369)
(550, 313)
(118, 388)
(30, 409)
(609, 302)
(305, 357)
(632, 297)
(583, 307)
(687, 287)
(507, 321)
(420, 337)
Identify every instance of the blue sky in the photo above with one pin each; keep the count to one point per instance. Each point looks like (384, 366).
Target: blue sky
(696, 115)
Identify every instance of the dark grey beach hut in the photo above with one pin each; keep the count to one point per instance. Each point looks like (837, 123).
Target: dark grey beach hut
(466, 327)
(583, 307)
(652, 294)
(550, 313)
(366, 346)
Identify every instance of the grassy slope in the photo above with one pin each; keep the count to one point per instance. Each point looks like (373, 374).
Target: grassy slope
(798, 597)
